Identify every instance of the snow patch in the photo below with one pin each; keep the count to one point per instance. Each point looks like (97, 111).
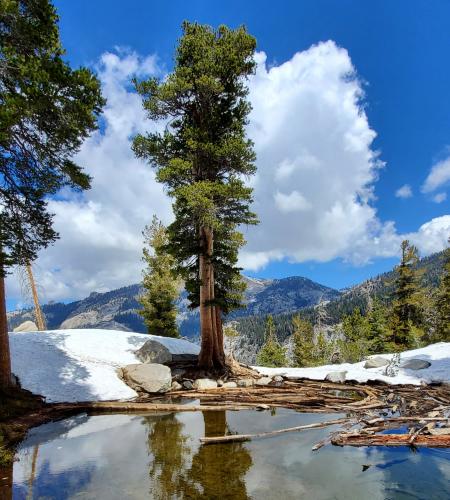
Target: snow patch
(437, 354)
(81, 365)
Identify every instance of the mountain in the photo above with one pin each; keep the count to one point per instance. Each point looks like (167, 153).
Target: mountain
(117, 309)
(331, 311)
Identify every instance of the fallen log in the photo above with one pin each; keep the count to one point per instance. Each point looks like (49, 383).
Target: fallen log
(390, 440)
(248, 437)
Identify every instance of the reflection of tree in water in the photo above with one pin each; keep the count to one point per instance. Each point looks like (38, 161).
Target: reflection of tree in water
(215, 471)
(167, 444)
(6, 481)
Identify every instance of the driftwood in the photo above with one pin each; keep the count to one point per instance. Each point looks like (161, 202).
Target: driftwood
(248, 437)
(390, 440)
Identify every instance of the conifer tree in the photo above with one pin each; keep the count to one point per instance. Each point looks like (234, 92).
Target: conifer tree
(272, 353)
(46, 111)
(406, 309)
(356, 330)
(202, 158)
(443, 301)
(378, 327)
(303, 351)
(161, 285)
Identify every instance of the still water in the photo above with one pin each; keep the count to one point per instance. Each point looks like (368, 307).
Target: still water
(159, 456)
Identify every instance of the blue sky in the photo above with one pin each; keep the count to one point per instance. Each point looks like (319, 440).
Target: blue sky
(400, 53)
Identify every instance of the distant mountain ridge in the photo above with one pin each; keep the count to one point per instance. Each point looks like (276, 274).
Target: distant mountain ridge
(117, 309)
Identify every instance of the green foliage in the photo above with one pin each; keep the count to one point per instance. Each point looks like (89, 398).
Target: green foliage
(378, 327)
(203, 155)
(407, 317)
(356, 330)
(442, 332)
(272, 354)
(160, 283)
(46, 111)
(303, 351)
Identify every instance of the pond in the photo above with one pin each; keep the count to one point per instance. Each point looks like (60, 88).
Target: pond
(159, 456)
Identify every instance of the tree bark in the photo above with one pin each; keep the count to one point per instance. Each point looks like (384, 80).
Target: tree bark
(5, 359)
(212, 354)
(205, 359)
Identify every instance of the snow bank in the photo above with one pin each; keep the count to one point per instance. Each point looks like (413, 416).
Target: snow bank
(80, 365)
(437, 354)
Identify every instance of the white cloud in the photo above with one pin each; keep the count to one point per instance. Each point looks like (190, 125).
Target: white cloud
(438, 176)
(432, 236)
(404, 192)
(439, 197)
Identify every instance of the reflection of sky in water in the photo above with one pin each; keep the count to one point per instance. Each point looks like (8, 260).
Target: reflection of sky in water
(159, 456)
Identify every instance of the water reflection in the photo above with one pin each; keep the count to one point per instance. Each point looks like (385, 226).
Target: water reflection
(211, 472)
(118, 457)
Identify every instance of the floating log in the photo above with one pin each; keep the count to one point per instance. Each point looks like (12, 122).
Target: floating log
(248, 437)
(390, 440)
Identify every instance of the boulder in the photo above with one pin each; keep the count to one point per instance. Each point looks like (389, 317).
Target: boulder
(376, 362)
(263, 381)
(415, 364)
(151, 378)
(229, 385)
(26, 326)
(155, 351)
(187, 384)
(176, 386)
(203, 384)
(336, 377)
(219, 383)
(278, 378)
(245, 382)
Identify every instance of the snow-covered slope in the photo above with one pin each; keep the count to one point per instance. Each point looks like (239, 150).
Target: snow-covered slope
(437, 354)
(80, 365)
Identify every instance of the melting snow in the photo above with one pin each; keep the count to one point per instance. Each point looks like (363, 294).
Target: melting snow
(81, 365)
(437, 354)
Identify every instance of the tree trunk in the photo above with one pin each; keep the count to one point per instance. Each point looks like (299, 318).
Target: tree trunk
(212, 353)
(205, 359)
(5, 359)
(37, 308)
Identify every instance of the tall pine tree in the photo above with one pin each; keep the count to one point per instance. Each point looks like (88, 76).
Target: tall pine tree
(202, 158)
(406, 308)
(46, 111)
(160, 283)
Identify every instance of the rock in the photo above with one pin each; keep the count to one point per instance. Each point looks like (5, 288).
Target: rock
(376, 362)
(336, 377)
(415, 364)
(203, 384)
(263, 381)
(176, 386)
(278, 378)
(154, 351)
(229, 385)
(220, 383)
(245, 382)
(26, 326)
(151, 378)
(187, 384)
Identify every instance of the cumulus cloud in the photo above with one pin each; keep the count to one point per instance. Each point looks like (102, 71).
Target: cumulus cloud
(404, 192)
(439, 176)
(313, 190)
